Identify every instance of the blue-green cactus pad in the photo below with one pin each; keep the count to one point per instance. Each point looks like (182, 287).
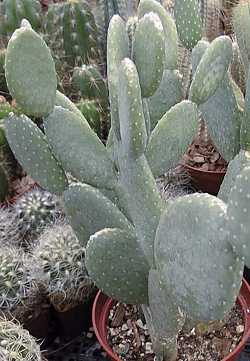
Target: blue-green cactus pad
(234, 168)
(117, 265)
(171, 137)
(171, 37)
(89, 211)
(197, 264)
(238, 215)
(30, 72)
(211, 70)
(78, 148)
(149, 53)
(31, 149)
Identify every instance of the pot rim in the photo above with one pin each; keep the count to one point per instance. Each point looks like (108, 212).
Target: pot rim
(219, 172)
(103, 304)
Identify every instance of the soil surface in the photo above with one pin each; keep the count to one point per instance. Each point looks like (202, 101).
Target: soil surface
(130, 339)
(202, 154)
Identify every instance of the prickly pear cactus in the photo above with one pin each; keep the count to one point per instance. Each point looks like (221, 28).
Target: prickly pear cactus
(71, 32)
(60, 263)
(17, 344)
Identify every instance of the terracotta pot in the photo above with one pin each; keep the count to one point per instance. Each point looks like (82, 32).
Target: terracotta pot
(206, 181)
(103, 304)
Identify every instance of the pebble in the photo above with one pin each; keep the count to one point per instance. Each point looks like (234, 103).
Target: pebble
(239, 329)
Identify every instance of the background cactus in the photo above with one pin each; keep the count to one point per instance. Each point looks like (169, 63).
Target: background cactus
(72, 32)
(59, 263)
(17, 344)
(34, 211)
(13, 11)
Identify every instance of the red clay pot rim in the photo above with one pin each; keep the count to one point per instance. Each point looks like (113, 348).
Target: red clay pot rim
(203, 171)
(243, 299)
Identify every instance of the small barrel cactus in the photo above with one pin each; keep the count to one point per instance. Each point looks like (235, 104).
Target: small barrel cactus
(71, 32)
(92, 112)
(59, 260)
(16, 344)
(15, 281)
(9, 233)
(34, 210)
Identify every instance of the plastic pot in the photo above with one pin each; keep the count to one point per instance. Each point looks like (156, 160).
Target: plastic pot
(103, 304)
(206, 181)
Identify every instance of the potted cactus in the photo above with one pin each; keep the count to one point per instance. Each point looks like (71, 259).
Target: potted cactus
(58, 262)
(168, 257)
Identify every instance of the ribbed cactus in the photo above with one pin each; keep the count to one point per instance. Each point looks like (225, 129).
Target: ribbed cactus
(13, 11)
(91, 111)
(59, 263)
(16, 344)
(71, 32)
(34, 211)
(15, 281)
(116, 205)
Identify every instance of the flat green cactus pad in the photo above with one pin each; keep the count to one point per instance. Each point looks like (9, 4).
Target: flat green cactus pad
(171, 137)
(31, 149)
(132, 123)
(117, 265)
(234, 168)
(188, 22)
(149, 53)
(171, 37)
(238, 215)
(211, 70)
(64, 102)
(89, 211)
(167, 95)
(30, 72)
(197, 264)
(78, 148)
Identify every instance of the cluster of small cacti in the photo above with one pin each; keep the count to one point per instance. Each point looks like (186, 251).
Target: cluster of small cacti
(16, 344)
(59, 263)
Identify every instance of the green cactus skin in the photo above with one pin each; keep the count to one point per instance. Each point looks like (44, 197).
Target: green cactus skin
(17, 344)
(117, 50)
(161, 308)
(88, 80)
(194, 227)
(237, 68)
(103, 261)
(220, 111)
(131, 26)
(149, 59)
(87, 205)
(168, 94)
(188, 22)
(34, 211)
(64, 102)
(241, 26)
(132, 122)
(245, 124)
(92, 165)
(34, 153)
(171, 37)
(59, 259)
(171, 137)
(211, 70)
(234, 168)
(37, 96)
(238, 215)
(15, 10)
(72, 31)
(15, 280)
(3, 83)
(92, 113)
